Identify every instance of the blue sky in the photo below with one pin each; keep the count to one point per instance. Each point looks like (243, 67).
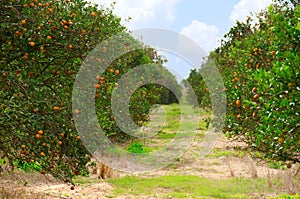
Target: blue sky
(205, 22)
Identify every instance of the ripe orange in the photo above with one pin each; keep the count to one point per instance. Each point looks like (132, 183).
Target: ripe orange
(23, 22)
(62, 134)
(50, 10)
(64, 21)
(35, 110)
(78, 137)
(280, 140)
(31, 43)
(42, 154)
(59, 143)
(70, 46)
(93, 14)
(17, 33)
(76, 111)
(117, 72)
(97, 85)
(254, 90)
(273, 53)
(40, 132)
(23, 146)
(98, 77)
(238, 103)
(25, 5)
(31, 4)
(256, 96)
(111, 70)
(56, 108)
(44, 144)
(40, 4)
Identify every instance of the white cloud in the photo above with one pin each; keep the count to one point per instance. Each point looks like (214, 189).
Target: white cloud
(243, 8)
(158, 13)
(205, 35)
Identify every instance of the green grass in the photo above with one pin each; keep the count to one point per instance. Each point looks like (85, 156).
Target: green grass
(189, 187)
(222, 153)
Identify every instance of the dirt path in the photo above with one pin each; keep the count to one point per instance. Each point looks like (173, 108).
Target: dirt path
(224, 162)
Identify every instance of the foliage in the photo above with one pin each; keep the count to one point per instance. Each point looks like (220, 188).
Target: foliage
(200, 89)
(43, 46)
(259, 63)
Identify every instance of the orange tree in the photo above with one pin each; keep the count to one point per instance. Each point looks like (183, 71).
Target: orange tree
(260, 67)
(141, 99)
(43, 46)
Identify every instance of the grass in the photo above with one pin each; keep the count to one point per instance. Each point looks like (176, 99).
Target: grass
(225, 153)
(189, 186)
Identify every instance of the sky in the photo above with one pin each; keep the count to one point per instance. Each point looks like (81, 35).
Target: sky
(205, 22)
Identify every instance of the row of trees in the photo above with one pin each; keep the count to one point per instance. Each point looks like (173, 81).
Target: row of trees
(44, 43)
(259, 62)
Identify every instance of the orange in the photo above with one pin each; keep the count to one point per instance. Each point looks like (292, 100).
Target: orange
(117, 72)
(70, 46)
(93, 14)
(17, 33)
(23, 146)
(56, 108)
(256, 96)
(273, 53)
(23, 22)
(31, 43)
(97, 85)
(42, 154)
(41, 132)
(238, 103)
(44, 144)
(280, 140)
(59, 143)
(76, 111)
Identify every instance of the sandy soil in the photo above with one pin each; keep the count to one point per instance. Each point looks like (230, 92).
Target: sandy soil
(212, 166)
